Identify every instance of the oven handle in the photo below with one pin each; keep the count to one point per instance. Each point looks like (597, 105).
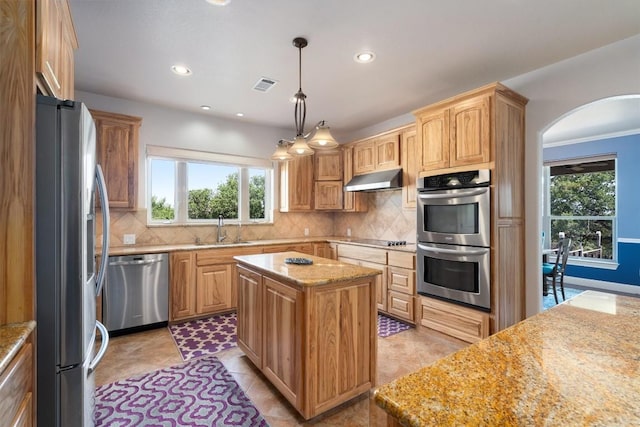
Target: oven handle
(479, 251)
(448, 195)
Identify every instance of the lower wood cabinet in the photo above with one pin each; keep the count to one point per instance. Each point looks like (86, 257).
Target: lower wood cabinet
(215, 288)
(203, 282)
(16, 389)
(282, 314)
(396, 287)
(315, 344)
(249, 327)
(305, 248)
(452, 319)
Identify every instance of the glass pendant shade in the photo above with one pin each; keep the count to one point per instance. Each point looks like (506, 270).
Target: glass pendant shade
(281, 153)
(322, 138)
(300, 147)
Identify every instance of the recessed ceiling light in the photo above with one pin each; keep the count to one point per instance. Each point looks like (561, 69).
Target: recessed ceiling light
(181, 70)
(364, 57)
(206, 107)
(240, 114)
(219, 2)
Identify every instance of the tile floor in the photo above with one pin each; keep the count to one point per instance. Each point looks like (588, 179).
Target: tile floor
(400, 354)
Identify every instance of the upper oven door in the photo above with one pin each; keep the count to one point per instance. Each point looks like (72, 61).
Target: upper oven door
(459, 217)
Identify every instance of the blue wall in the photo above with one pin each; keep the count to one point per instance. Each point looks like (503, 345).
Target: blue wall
(627, 150)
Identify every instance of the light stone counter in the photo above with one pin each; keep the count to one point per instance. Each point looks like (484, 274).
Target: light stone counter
(575, 364)
(12, 337)
(323, 270)
(149, 249)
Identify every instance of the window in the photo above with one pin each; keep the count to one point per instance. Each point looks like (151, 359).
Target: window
(581, 205)
(187, 187)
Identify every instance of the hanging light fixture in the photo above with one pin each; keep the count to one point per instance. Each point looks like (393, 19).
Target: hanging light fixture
(281, 153)
(322, 138)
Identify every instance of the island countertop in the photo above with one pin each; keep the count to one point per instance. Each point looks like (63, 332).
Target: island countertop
(323, 271)
(575, 364)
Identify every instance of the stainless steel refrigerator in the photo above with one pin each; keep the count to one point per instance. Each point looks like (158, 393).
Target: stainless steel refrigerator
(67, 278)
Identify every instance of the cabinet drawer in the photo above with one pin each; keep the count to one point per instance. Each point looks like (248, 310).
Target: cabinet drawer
(401, 306)
(379, 256)
(402, 259)
(464, 323)
(15, 388)
(222, 256)
(305, 248)
(402, 280)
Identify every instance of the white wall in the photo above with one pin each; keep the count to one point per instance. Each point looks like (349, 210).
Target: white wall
(169, 127)
(554, 91)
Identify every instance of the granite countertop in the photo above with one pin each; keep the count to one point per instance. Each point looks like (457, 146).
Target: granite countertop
(575, 364)
(12, 337)
(150, 249)
(323, 271)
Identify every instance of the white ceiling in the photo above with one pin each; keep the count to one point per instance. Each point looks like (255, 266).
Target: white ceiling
(426, 51)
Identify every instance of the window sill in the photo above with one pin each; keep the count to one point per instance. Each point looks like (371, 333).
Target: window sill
(593, 263)
(205, 224)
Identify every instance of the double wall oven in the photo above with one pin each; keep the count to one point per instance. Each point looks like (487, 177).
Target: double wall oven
(454, 238)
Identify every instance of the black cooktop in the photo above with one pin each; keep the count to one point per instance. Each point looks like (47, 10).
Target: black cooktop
(375, 242)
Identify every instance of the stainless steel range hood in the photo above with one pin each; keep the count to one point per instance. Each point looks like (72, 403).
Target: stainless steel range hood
(374, 181)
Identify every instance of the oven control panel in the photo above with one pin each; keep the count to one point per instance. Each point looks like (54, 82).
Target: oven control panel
(476, 178)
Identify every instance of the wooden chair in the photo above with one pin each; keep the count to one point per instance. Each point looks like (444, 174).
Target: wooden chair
(556, 270)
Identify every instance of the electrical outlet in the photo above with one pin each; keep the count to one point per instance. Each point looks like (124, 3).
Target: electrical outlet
(306, 231)
(348, 232)
(129, 239)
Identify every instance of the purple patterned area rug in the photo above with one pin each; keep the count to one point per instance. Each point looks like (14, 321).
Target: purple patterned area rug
(205, 337)
(200, 392)
(388, 326)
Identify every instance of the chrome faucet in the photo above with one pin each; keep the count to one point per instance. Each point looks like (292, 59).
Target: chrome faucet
(221, 235)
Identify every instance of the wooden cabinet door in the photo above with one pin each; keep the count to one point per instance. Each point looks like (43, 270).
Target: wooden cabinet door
(364, 158)
(328, 195)
(351, 201)
(214, 288)
(433, 140)
(470, 137)
(117, 153)
(48, 44)
(328, 165)
(381, 284)
(249, 328)
(182, 285)
(296, 185)
(408, 155)
(401, 305)
(282, 340)
(387, 152)
(402, 280)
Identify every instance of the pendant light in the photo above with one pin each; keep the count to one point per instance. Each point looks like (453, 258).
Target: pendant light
(322, 138)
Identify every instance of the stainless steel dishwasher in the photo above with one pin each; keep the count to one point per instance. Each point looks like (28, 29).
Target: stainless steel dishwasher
(136, 292)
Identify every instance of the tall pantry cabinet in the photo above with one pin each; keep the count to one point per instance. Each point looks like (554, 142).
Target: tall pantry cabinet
(484, 129)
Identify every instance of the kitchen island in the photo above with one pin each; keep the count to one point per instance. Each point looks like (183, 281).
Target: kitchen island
(575, 364)
(310, 329)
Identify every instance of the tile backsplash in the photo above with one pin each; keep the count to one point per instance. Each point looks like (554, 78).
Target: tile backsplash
(385, 220)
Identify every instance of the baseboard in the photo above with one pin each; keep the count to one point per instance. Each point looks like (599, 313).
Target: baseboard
(602, 285)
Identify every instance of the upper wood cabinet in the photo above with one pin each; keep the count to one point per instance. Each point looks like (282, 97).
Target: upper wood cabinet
(410, 169)
(329, 195)
(296, 184)
(55, 42)
(117, 153)
(455, 134)
(352, 201)
(328, 165)
(378, 153)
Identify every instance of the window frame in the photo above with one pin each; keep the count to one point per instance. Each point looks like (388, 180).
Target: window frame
(547, 218)
(182, 157)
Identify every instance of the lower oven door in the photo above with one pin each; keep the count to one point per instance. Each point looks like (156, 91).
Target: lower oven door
(456, 273)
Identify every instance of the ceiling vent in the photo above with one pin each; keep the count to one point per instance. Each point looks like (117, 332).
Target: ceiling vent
(264, 84)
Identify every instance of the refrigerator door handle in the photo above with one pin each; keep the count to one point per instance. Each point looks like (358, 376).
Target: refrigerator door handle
(103, 347)
(104, 203)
